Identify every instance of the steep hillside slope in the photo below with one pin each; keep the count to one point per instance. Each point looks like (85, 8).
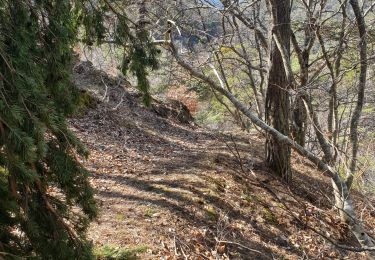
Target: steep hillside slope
(173, 190)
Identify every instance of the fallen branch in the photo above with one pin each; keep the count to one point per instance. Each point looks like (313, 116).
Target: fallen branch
(121, 100)
(243, 246)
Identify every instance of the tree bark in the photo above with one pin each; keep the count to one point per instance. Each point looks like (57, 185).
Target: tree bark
(361, 88)
(299, 111)
(277, 96)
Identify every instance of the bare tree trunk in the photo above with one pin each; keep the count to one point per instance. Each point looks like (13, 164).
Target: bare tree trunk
(249, 73)
(300, 112)
(323, 141)
(337, 63)
(361, 88)
(299, 121)
(277, 97)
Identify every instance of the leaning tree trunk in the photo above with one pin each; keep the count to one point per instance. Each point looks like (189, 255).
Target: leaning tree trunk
(277, 97)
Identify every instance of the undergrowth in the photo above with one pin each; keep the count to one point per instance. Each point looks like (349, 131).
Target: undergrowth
(109, 252)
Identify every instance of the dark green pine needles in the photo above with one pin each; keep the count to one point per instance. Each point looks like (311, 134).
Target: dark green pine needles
(46, 201)
(40, 177)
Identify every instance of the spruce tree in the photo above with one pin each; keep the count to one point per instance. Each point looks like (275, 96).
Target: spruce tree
(46, 201)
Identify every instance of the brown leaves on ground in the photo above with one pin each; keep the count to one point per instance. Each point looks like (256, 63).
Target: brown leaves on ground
(180, 191)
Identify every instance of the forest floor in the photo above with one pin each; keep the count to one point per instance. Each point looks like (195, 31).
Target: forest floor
(177, 191)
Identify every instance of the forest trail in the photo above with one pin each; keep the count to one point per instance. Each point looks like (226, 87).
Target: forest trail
(178, 191)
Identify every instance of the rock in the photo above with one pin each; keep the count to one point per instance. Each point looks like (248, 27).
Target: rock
(173, 109)
(83, 67)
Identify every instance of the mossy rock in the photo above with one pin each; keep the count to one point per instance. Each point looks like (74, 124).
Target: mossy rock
(173, 109)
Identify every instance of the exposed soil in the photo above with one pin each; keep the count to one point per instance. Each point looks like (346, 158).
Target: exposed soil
(187, 193)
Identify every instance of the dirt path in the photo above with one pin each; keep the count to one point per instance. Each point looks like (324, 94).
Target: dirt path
(156, 185)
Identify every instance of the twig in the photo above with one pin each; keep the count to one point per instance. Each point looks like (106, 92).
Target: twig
(122, 99)
(181, 247)
(182, 250)
(235, 154)
(243, 246)
(175, 246)
(238, 153)
(106, 89)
